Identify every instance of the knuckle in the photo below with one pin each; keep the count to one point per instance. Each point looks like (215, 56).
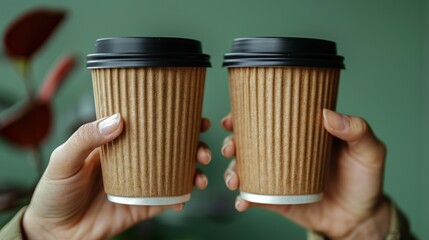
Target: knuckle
(57, 152)
(86, 132)
(382, 146)
(361, 126)
(381, 149)
(84, 136)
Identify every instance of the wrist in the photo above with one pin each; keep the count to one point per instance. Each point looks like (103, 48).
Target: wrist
(33, 229)
(375, 226)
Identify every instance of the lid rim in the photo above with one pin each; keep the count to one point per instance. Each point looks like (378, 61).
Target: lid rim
(284, 64)
(283, 51)
(150, 63)
(147, 51)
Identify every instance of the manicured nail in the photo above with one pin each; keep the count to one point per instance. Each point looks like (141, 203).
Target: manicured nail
(237, 204)
(109, 125)
(208, 155)
(204, 156)
(228, 180)
(204, 181)
(224, 148)
(336, 121)
(222, 122)
(226, 143)
(181, 206)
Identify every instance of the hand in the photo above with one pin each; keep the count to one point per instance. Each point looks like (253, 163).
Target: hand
(69, 201)
(353, 206)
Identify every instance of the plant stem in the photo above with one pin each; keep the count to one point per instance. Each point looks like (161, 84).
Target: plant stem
(23, 68)
(28, 81)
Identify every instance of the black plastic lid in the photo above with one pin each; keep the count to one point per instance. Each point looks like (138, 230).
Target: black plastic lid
(283, 51)
(130, 52)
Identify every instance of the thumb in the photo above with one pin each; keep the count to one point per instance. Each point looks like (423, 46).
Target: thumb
(360, 140)
(67, 159)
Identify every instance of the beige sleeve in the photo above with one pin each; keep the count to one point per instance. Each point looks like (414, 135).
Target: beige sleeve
(12, 230)
(314, 236)
(399, 228)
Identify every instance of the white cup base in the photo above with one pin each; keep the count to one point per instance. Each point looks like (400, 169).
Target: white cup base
(149, 201)
(281, 199)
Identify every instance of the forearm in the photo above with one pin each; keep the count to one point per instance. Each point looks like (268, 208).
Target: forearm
(375, 227)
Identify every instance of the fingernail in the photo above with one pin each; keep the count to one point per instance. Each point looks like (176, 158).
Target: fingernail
(109, 125)
(224, 148)
(237, 204)
(204, 181)
(209, 155)
(228, 180)
(336, 121)
(222, 122)
(181, 206)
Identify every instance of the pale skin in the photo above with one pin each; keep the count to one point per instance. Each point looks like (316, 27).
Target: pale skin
(69, 201)
(354, 206)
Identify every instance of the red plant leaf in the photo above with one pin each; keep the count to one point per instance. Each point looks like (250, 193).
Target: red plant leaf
(55, 78)
(29, 126)
(30, 31)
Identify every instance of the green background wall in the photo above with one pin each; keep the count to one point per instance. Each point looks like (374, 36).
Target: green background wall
(385, 44)
(426, 116)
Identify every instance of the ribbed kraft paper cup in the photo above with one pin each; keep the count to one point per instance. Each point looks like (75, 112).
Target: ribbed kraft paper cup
(282, 147)
(161, 108)
(153, 161)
